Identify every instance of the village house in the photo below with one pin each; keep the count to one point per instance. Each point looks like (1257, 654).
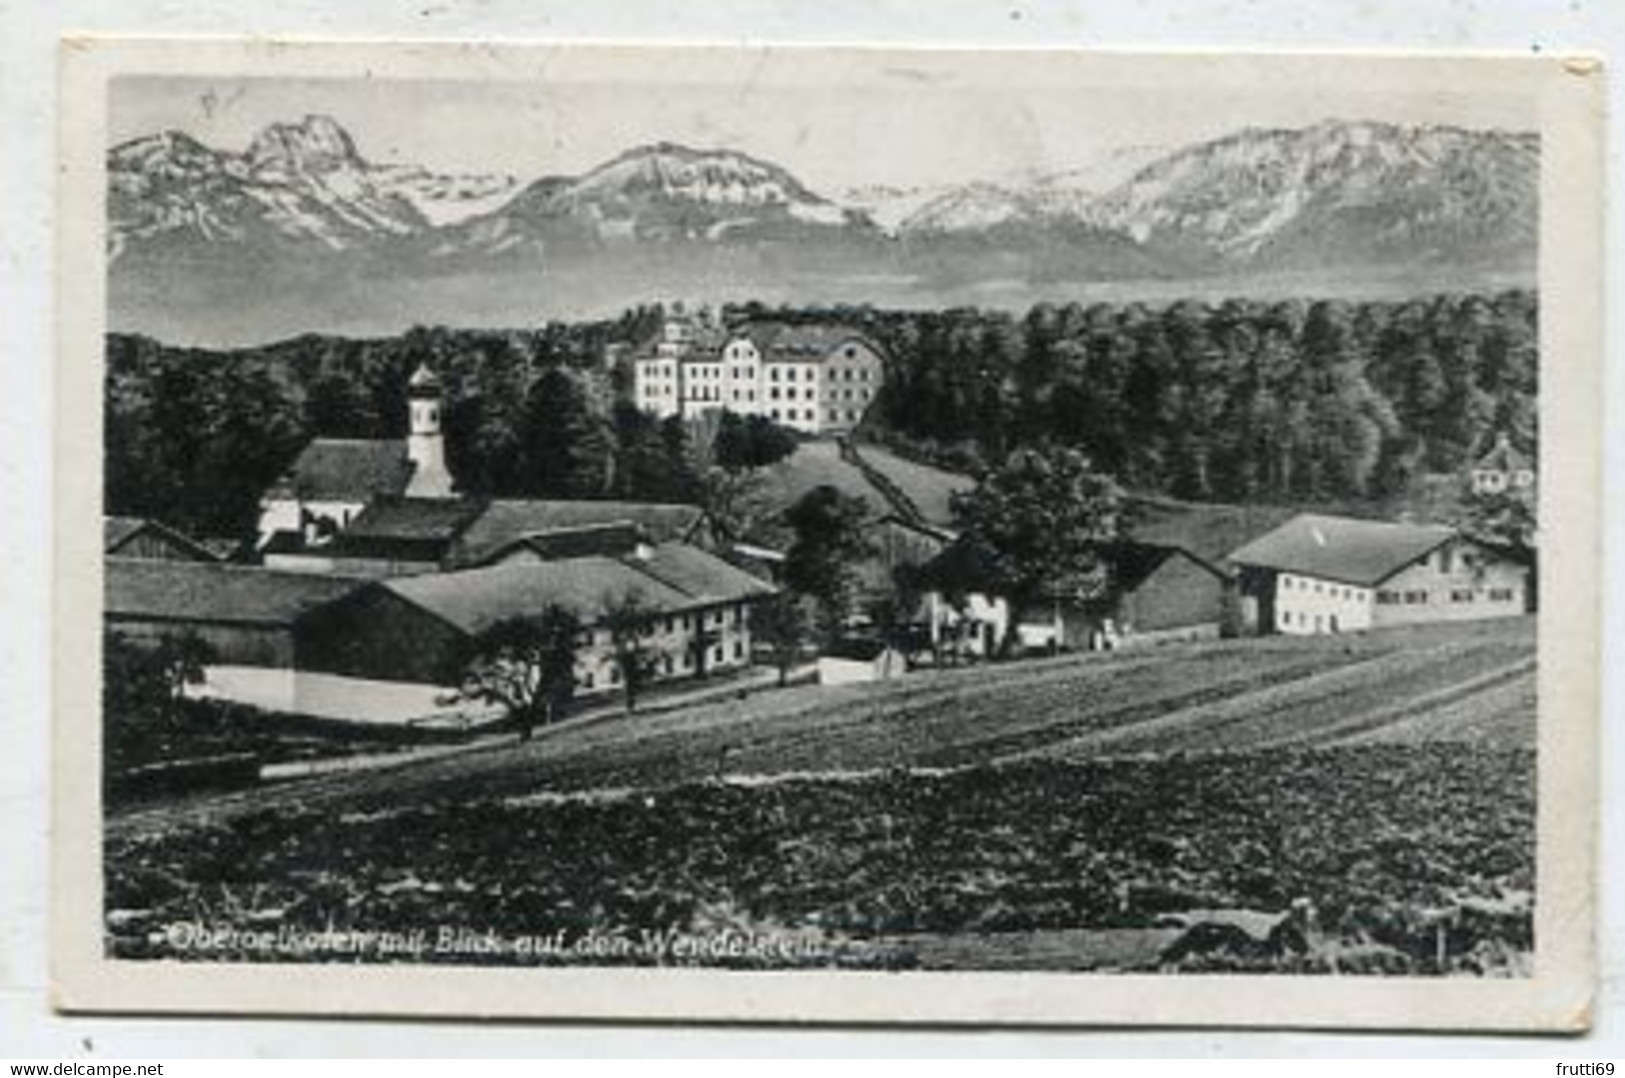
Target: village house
(1147, 594)
(1328, 574)
(421, 629)
(816, 379)
(1503, 469)
(389, 649)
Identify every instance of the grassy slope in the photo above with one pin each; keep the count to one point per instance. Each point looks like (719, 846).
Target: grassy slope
(1469, 682)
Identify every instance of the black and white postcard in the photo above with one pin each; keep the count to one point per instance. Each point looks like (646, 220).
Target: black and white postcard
(827, 534)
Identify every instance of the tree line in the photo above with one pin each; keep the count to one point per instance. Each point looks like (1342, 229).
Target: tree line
(1242, 400)
(1237, 401)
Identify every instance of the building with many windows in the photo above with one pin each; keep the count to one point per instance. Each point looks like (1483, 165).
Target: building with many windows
(1326, 574)
(816, 378)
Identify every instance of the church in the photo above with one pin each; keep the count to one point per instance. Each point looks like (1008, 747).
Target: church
(389, 507)
(334, 479)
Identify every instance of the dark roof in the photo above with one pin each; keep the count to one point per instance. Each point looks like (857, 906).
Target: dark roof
(1208, 532)
(117, 531)
(505, 521)
(1132, 563)
(1345, 549)
(810, 341)
(387, 517)
(704, 578)
(475, 599)
(612, 540)
(347, 469)
(205, 592)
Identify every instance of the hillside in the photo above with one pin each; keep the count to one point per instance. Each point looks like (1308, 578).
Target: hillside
(1471, 684)
(820, 463)
(1078, 813)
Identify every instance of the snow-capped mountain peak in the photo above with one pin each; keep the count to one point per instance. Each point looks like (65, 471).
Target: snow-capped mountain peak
(314, 144)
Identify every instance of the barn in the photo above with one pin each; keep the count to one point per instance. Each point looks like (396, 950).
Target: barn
(246, 614)
(1158, 594)
(422, 629)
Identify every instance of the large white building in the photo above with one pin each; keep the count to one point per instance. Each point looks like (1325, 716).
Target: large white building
(817, 379)
(1326, 574)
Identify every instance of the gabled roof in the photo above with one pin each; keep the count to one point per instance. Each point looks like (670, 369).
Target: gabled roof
(346, 469)
(1503, 457)
(1132, 563)
(1207, 532)
(703, 577)
(1344, 549)
(504, 521)
(413, 518)
(119, 531)
(185, 591)
(475, 599)
(611, 540)
(785, 341)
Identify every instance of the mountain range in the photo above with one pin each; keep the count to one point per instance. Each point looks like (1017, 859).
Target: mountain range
(300, 231)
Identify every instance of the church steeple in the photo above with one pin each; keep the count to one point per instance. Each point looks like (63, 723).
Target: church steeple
(424, 446)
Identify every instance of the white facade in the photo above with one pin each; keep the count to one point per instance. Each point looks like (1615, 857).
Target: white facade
(425, 446)
(1460, 581)
(816, 393)
(1305, 605)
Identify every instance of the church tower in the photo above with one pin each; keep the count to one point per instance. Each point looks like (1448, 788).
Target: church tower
(424, 446)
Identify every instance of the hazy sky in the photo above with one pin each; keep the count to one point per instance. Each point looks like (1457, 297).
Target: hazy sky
(904, 128)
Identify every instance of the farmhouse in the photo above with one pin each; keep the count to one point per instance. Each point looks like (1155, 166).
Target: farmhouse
(136, 537)
(1148, 594)
(814, 378)
(1327, 574)
(246, 614)
(1503, 469)
(421, 629)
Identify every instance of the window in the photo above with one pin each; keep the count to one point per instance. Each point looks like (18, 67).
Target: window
(739, 649)
(586, 680)
(1500, 595)
(773, 393)
(1416, 598)
(1445, 560)
(1286, 617)
(614, 675)
(716, 654)
(1461, 595)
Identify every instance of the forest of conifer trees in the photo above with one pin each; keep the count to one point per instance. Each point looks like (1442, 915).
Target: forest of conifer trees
(1289, 401)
